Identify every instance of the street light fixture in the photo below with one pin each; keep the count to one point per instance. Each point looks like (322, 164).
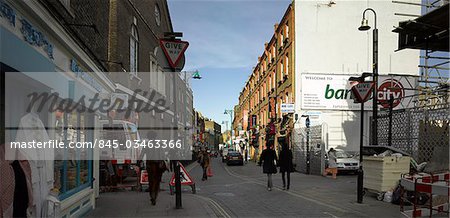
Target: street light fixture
(364, 27)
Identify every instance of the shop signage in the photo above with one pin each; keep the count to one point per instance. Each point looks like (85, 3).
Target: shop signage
(333, 92)
(174, 50)
(30, 34)
(84, 76)
(287, 108)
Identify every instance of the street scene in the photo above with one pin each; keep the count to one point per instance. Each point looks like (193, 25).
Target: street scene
(239, 108)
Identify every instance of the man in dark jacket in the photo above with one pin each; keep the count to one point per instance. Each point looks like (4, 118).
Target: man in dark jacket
(285, 163)
(268, 158)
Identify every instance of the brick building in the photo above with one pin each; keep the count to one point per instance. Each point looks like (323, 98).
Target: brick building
(269, 85)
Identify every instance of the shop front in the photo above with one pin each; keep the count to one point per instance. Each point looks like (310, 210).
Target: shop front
(33, 63)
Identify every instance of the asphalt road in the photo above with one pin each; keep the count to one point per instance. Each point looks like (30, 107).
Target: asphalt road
(240, 191)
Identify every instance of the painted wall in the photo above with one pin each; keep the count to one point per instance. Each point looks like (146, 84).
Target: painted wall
(327, 40)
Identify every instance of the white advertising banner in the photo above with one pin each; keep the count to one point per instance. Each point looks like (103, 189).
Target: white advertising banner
(333, 92)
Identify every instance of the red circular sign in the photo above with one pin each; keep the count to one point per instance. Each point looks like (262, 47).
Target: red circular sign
(390, 88)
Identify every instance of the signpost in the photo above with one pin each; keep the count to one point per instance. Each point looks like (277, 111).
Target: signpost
(361, 91)
(174, 50)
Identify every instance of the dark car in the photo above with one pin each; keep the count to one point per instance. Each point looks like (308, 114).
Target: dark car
(234, 157)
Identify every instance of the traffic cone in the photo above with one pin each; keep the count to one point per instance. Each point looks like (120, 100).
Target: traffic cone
(209, 173)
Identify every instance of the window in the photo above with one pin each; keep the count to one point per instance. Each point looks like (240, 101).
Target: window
(134, 48)
(281, 38)
(157, 15)
(287, 64)
(157, 77)
(273, 52)
(161, 81)
(274, 82)
(287, 30)
(74, 172)
(281, 70)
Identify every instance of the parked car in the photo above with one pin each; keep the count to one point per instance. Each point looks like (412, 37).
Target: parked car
(234, 157)
(346, 162)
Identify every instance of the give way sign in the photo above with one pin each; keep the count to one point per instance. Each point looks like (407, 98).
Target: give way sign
(362, 91)
(174, 50)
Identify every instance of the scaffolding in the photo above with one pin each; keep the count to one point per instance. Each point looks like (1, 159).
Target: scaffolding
(429, 33)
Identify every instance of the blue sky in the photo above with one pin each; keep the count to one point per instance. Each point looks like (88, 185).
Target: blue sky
(225, 40)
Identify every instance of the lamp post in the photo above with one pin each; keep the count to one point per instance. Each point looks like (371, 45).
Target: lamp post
(308, 157)
(364, 27)
(230, 112)
(226, 125)
(360, 181)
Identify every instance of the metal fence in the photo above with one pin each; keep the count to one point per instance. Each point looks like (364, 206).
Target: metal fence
(422, 132)
(316, 149)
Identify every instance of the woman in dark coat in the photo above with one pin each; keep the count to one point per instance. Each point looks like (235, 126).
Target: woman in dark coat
(285, 163)
(268, 158)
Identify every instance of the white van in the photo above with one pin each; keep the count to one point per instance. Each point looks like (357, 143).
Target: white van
(123, 157)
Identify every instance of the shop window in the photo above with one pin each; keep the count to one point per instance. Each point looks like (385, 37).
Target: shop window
(73, 172)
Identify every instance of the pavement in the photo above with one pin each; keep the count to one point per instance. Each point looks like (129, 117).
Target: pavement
(240, 191)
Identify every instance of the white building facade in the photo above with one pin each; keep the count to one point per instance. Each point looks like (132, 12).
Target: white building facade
(329, 49)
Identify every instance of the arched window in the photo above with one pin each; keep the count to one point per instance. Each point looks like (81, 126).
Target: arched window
(134, 48)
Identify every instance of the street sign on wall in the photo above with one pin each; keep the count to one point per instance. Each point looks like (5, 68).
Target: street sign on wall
(174, 50)
(287, 108)
(333, 91)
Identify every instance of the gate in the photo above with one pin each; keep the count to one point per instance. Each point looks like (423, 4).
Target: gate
(317, 144)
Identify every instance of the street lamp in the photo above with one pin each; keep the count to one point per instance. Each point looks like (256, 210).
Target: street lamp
(230, 112)
(308, 157)
(226, 125)
(364, 27)
(360, 181)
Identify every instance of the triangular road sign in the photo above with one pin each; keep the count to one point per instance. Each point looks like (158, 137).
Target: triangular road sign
(362, 91)
(174, 50)
(185, 178)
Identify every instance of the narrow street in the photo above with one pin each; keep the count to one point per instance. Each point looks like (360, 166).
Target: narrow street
(107, 106)
(240, 191)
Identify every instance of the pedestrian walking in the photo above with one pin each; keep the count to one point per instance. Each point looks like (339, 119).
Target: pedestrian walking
(155, 169)
(285, 163)
(204, 161)
(268, 159)
(332, 165)
(155, 166)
